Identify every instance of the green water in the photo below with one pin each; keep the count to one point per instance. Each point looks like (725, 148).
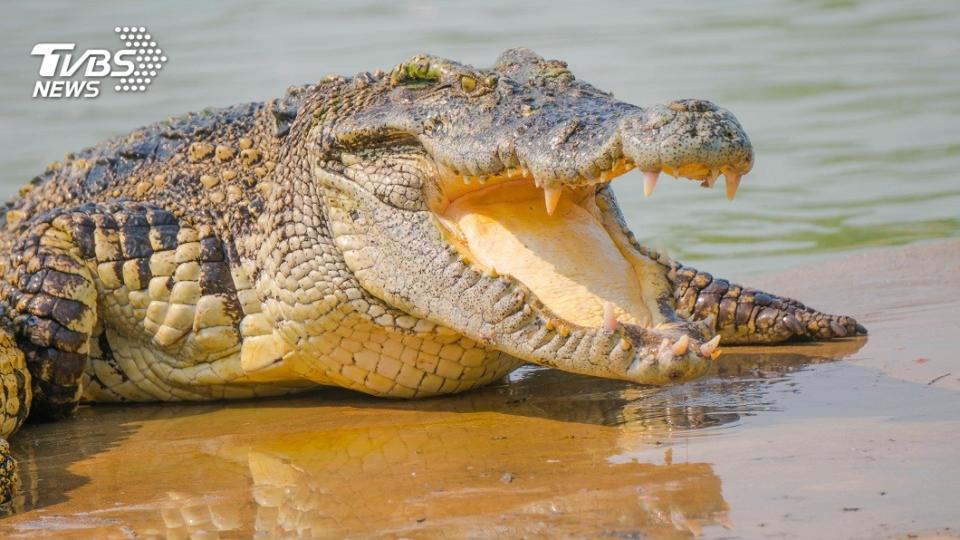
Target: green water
(853, 108)
(852, 105)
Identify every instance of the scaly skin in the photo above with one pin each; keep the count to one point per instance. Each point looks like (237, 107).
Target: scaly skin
(267, 248)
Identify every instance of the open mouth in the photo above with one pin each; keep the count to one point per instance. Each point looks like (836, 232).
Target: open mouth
(557, 241)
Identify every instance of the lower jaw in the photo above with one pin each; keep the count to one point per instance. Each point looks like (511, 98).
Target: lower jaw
(567, 259)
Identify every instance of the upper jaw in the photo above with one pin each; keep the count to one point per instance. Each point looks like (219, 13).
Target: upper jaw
(453, 185)
(692, 139)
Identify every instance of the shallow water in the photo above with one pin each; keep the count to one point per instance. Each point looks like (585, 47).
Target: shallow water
(852, 105)
(848, 439)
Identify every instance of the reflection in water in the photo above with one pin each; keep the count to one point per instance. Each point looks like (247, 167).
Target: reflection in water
(44, 452)
(542, 454)
(571, 451)
(360, 482)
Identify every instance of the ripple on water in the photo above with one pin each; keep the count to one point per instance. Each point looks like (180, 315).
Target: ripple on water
(849, 104)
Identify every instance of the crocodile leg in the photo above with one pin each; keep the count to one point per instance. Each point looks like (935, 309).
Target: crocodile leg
(15, 391)
(49, 300)
(48, 307)
(14, 407)
(744, 315)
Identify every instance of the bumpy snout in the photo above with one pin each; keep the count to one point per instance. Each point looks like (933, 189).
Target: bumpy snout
(690, 137)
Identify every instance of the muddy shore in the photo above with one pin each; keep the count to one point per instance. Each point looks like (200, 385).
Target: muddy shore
(848, 439)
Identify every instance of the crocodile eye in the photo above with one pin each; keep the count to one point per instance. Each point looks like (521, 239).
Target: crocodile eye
(468, 83)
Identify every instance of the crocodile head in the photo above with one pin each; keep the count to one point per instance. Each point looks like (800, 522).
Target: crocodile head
(478, 199)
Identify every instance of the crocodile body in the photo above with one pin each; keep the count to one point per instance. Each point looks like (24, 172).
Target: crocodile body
(353, 233)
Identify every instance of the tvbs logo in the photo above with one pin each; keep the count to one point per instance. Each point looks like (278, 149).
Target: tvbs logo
(66, 72)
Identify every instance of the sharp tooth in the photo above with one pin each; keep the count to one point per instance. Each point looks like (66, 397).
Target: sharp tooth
(551, 196)
(649, 182)
(732, 181)
(680, 347)
(708, 348)
(482, 179)
(694, 526)
(609, 318)
(712, 177)
(466, 179)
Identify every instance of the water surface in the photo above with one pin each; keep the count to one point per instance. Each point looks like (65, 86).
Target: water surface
(853, 110)
(852, 105)
(848, 439)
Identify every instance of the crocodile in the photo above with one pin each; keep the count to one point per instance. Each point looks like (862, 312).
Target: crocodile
(405, 234)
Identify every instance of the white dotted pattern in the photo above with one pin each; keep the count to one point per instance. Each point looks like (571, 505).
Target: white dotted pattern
(149, 60)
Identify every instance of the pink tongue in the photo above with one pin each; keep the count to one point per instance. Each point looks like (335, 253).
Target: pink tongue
(567, 259)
